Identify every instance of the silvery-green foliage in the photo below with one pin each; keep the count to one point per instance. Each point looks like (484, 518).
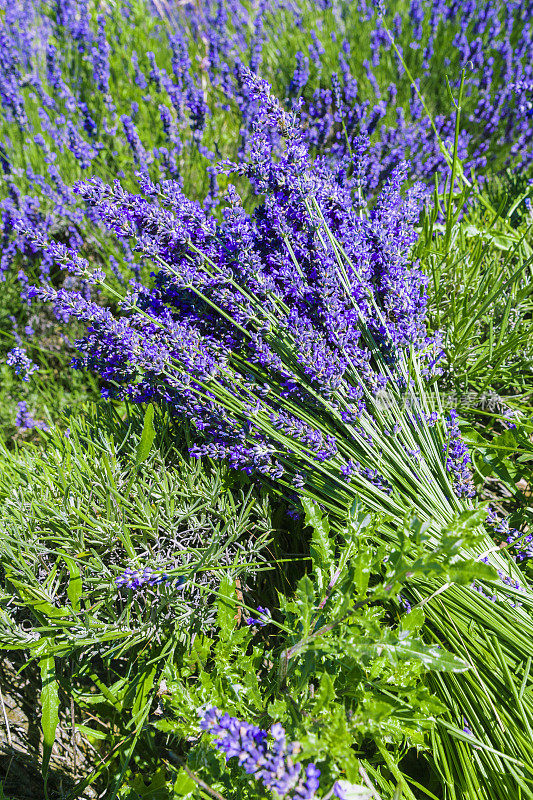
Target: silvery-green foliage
(77, 514)
(101, 496)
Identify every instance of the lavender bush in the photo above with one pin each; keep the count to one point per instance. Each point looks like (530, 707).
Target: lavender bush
(79, 517)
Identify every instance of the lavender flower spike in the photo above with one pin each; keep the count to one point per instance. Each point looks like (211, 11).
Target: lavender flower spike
(135, 578)
(24, 419)
(271, 763)
(22, 364)
(458, 458)
(340, 791)
(264, 617)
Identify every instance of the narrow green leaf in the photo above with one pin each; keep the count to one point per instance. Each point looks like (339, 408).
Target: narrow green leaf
(226, 607)
(91, 733)
(36, 598)
(50, 709)
(147, 437)
(74, 588)
(144, 688)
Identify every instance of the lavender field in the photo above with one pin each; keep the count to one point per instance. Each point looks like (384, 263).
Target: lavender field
(266, 399)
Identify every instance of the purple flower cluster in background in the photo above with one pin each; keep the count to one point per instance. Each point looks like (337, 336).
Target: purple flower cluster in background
(24, 419)
(498, 89)
(21, 363)
(65, 128)
(265, 755)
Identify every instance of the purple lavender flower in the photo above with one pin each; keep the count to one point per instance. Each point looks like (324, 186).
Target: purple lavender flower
(137, 578)
(524, 93)
(21, 363)
(140, 155)
(100, 57)
(140, 78)
(520, 543)
(80, 148)
(262, 620)
(25, 420)
(220, 285)
(340, 791)
(458, 458)
(155, 74)
(506, 580)
(404, 604)
(270, 759)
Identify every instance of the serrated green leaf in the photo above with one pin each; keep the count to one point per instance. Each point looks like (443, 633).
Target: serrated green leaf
(325, 694)
(413, 621)
(305, 601)
(499, 468)
(406, 649)
(155, 790)
(322, 550)
(505, 439)
(183, 785)
(362, 563)
(469, 520)
(470, 570)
